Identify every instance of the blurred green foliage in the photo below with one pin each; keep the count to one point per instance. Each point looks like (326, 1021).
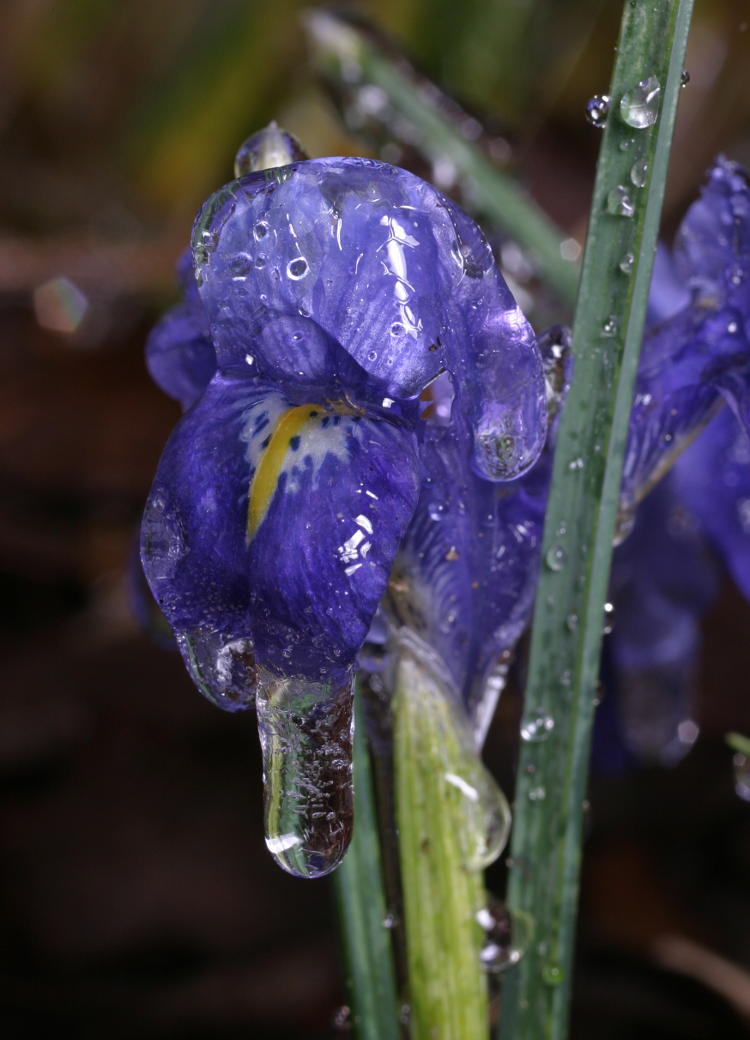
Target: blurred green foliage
(120, 118)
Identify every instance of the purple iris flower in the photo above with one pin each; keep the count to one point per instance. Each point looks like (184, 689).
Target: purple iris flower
(328, 297)
(691, 414)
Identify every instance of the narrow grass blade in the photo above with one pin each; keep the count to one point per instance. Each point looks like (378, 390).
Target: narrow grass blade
(362, 909)
(564, 664)
(339, 47)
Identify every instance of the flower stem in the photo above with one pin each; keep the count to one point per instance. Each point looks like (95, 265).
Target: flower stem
(362, 908)
(442, 892)
(564, 663)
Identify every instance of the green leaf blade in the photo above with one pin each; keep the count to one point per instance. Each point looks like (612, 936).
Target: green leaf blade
(362, 907)
(580, 523)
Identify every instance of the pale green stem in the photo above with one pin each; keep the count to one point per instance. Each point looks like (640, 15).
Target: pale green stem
(442, 890)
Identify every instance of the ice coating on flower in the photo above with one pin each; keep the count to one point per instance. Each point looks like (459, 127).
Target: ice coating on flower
(327, 296)
(274, 519)
(390, 269)
(466, 576)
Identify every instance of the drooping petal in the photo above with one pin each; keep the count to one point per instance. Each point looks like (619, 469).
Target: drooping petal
(179, 353)
(465, 579)
(390, 269)
(469, 564)
(270, 531)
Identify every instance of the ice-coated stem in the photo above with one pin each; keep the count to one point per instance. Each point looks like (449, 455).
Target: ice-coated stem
(580, 522)
(306, 736)
(452, 821)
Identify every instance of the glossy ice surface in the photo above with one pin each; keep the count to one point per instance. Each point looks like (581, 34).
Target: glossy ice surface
(327, 297)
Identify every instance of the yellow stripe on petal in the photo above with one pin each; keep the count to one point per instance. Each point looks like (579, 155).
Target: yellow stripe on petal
(263, 484)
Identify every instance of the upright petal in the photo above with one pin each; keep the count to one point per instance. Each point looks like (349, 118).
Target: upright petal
(389, 268)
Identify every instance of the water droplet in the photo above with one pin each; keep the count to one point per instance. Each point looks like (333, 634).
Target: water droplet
(508, 935)
(267, 149)
(638, 173)
(610, 327)
(570, 249)
(609, 612)
(260, 261)
(297, 268)
(372, 355)
(626, 264)
(556, 558)
(597, 110)
(260, 230)
(537, 794)
(639, 106)
(619, 203)
(239, 267)
(684, 78)
(552, 974)
(306, 735)
(390, 920)
(576, 463)
(537, 728)
(397, 329)
(571, 622)
(736, 276)
(342, 1019)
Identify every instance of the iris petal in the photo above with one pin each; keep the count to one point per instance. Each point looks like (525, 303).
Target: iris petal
(179, 354)
(663, 581)
(468, 566)
(712, 250)
(298, 585)
(687, 365)
(712, 479)
(390, 269)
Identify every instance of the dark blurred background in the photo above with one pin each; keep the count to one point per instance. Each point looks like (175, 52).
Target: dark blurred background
(136, 895)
